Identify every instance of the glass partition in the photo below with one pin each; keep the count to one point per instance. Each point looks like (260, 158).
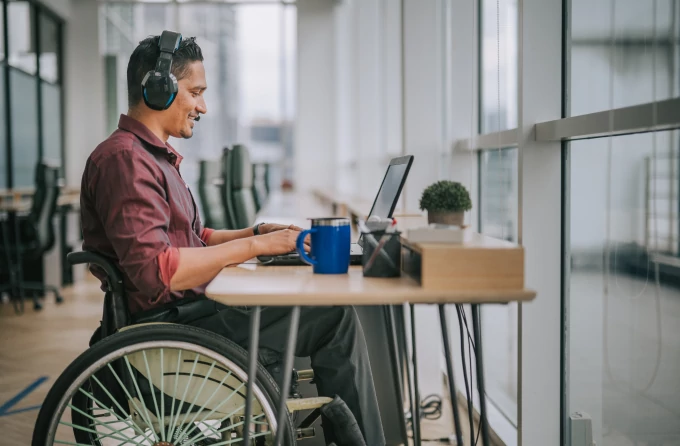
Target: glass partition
(21, 31)
(498, 210)
(623, 289)
(23, 99)
(616, 49)
(498, 65)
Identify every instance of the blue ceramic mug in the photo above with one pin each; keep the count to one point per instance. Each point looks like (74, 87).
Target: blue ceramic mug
(330, 245)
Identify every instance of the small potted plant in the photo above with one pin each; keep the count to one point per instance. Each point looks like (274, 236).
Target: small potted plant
(446, 203)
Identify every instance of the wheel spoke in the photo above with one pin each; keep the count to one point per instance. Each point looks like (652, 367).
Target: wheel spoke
(217, 389)
(210, 407)
(141, 398)
(234, 392)
(106, 425)
(172, 407)
(240, 423)
(193, 403)
(186, 388)
(91, 431)
(153, 393)
(102, 405)
(127, 394)
(71, 444)
(162, 425)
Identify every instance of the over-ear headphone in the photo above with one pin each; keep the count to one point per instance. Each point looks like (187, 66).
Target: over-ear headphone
(159, 86)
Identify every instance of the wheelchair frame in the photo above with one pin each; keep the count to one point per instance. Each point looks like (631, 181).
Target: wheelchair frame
(116, 319)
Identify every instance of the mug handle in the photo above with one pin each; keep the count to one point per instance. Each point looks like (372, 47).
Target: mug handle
(301, 249)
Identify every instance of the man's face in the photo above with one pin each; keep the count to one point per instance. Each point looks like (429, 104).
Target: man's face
(179, 118)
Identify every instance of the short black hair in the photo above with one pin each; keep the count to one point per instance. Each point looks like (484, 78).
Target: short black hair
(145, 56)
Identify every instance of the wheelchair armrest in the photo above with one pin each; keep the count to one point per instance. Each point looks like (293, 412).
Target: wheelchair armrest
(116, 315)
(114, 276)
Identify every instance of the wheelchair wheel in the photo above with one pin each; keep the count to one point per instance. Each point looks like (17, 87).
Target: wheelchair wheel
(159, 385)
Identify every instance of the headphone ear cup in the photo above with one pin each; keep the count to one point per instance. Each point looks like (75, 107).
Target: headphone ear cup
(158, 91)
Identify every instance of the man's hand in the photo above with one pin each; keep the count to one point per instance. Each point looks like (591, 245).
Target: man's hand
(267, 228)
(281, 241)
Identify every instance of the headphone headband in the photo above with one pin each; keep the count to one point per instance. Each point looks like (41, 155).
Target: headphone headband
(159, 87)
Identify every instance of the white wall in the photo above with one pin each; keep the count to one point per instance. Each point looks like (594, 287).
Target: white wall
(84, 88)
(316, 101)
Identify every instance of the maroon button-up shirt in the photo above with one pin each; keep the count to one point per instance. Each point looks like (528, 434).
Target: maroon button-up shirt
(137, 210)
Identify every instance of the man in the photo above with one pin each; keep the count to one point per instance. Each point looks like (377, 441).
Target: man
(137, 211)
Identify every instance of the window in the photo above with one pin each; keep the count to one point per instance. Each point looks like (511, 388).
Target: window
(498, 65)
(621, 281)
(49, 49)
(622, 54)
(23, 99)
(2, 33)
(51, 121)
(21, 36)
(498, 208)
(498, 194)
(624, 303)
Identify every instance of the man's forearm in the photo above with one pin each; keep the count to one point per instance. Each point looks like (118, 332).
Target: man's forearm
(200, 265)
(219, 237)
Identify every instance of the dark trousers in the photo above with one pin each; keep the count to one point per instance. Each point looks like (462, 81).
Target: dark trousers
(331, 336)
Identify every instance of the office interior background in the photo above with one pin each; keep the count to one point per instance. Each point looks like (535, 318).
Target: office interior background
(560, 117)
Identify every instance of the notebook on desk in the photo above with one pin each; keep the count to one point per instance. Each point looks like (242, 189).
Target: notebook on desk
(383, 207)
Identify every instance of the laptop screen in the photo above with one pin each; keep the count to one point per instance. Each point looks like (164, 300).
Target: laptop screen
(389, 191)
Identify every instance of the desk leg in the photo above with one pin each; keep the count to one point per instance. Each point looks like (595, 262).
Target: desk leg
(415, 402)
(253, 344)
(287, 372)
(449, 372)
(397, 367)
(476, 327)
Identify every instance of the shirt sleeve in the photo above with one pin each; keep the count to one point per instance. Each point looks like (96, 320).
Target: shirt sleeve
(131, 203)
(205, 235)
(168, 262)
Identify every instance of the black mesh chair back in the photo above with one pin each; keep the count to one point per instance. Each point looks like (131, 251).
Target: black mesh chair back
(243, 200)
(225, 189)
(38, 228)
(259, 187)
(209, 182)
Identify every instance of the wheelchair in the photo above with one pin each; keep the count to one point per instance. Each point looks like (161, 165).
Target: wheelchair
(164, 384)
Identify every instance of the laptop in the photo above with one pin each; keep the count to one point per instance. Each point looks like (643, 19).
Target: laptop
(383, 207)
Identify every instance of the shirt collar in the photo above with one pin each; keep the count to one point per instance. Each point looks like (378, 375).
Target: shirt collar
(142, 132)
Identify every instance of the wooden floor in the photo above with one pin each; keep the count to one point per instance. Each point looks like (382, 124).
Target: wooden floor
(36, 347)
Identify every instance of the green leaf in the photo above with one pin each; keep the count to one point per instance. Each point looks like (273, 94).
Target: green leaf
(445, 196)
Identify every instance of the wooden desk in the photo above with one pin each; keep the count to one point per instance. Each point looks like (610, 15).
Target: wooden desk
(258, 285)
(12, 206)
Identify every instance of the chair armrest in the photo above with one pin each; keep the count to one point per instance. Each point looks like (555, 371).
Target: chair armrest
(114, 275)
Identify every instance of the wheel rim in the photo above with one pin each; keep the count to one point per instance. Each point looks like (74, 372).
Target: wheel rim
(205, 393)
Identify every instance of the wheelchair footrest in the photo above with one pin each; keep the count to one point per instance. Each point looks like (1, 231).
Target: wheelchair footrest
(297, 404)
(305, 375)
(306, 432)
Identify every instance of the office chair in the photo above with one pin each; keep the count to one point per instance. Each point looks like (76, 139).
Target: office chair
(224, 185)
(35, 235)
(243, 200)
(259, 185)
(266, 177)
(209, 180)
